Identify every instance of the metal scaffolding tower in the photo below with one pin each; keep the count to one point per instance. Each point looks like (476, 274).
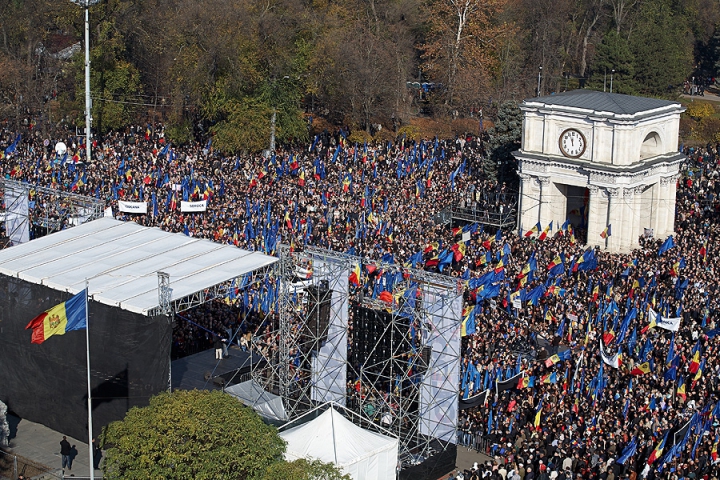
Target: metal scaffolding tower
(30, 211)
(393, 358)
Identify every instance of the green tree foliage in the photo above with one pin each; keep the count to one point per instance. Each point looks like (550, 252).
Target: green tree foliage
(503, 139)
(191, 435)
(614, 53)
(216, 66)
(115, 81)
(303, 470)
(662, 46)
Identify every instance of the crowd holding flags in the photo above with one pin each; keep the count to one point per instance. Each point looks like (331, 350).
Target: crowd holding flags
(518, 291)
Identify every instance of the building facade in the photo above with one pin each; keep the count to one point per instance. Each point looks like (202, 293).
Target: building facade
(599, 160)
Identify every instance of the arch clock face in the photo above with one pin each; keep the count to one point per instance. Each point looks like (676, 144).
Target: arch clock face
(572, 143)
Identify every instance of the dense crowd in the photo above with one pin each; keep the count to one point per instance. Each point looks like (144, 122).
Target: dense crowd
(645, 407)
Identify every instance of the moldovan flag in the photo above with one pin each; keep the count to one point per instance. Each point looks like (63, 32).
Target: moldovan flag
(681, 389)
(695, 362)
(67, 316)
(545, 232)
(552, 361)
(641, 369)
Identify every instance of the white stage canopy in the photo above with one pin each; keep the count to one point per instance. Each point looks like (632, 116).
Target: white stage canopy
(266, 404)
(121, 261)
(332, 438)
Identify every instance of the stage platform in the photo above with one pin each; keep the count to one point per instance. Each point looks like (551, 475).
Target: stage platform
(203, 372)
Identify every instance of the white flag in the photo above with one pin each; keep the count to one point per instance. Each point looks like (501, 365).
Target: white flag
(613, 361)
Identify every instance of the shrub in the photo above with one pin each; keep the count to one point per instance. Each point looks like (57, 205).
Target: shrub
(700, 110)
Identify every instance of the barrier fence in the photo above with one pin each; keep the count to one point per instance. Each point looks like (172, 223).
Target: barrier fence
(11, 466)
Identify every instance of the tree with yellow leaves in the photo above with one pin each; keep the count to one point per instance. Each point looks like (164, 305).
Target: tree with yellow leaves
(462, 47)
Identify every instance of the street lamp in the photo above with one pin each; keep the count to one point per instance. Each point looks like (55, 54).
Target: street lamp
(88, 102)
(88, 120)
(539, 77)
(612, 72)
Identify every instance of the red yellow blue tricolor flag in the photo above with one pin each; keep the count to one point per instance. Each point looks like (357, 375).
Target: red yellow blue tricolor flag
(68, 316)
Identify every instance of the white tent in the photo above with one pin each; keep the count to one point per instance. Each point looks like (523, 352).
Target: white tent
(265, 403)
(122, 260)
(334, 439)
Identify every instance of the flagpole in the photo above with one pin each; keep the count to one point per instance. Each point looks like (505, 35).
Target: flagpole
(91, 455)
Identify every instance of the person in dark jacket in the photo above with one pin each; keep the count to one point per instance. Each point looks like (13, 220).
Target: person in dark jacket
(65, 451)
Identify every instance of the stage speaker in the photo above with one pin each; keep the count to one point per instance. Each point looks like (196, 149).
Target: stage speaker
(318, 317)
(424, 362)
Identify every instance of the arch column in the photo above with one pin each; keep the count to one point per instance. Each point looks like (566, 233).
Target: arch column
(597, 214)
(530, 202)
(546, 200)
(665, 218)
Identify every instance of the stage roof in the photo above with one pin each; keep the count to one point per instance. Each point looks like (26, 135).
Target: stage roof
(121, 261)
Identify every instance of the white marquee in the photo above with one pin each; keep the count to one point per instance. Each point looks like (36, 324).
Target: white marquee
(121, 261)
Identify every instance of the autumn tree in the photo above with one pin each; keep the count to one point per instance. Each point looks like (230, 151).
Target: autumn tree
(364, 55)
(462, 48)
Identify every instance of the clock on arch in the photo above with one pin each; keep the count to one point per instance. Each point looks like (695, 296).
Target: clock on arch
(572, 143)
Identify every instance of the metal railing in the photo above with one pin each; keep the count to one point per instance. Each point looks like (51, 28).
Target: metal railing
(486, 217)
(13, 465)
(505, 220)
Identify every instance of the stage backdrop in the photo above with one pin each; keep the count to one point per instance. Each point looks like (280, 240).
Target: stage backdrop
(47, 383)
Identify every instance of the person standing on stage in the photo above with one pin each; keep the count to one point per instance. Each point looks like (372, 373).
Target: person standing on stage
(218, 344)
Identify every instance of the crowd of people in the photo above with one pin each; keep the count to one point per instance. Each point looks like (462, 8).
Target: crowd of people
(602, 391)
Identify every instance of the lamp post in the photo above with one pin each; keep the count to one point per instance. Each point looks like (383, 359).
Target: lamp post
(88, 102)
(612, 72)
(88, 121)
(539, 77)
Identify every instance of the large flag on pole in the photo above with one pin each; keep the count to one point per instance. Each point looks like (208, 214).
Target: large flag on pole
(65, 317)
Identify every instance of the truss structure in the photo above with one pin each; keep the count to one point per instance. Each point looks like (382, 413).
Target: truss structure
(41, 210)
(396, 363)
(228, 290)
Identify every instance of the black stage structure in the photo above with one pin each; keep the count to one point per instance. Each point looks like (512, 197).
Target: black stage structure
(138, 279)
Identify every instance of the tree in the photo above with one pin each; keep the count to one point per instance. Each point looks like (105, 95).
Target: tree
(614, 53)
(191, 435)
(114, 80)
(503, 139)
(462, 47)
(303, 469)
(662, 46)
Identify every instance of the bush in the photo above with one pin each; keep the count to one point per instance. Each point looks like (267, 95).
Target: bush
(410, 131)
(319, 125)
(700, 110)
(463, 126)
(359, 137)
(686, 127)
(710, 129)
